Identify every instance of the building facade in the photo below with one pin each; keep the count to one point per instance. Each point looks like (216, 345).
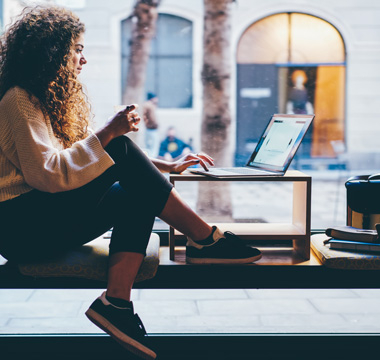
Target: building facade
(335, 43)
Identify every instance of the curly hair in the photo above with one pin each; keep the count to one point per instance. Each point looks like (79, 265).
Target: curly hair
(34, 55)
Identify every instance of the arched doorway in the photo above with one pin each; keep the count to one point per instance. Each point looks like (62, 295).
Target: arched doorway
(291, 62)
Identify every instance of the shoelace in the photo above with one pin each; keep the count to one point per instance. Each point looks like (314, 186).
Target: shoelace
(140, 325)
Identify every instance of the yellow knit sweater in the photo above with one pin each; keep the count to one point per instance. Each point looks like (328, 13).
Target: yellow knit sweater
(31, 157)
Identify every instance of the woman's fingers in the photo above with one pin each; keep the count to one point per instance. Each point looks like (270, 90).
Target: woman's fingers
(134, 118)
(184, 164)
(134, 122)
(204, 165)
(206, 158)
(202, 159)
(195, 161)
(130, 108)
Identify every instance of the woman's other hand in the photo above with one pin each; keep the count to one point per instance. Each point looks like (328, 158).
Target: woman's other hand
(121, 123)
(192, 159)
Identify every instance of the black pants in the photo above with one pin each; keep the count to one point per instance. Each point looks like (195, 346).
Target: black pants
(128, 197)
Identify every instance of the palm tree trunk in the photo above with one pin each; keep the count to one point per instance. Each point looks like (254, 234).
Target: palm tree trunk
(144, 19)
(214, 198)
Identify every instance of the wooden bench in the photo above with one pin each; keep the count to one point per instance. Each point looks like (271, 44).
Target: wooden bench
(83, 267)
(280, 267)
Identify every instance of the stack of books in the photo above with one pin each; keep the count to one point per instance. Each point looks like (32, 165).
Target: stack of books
(349, 238)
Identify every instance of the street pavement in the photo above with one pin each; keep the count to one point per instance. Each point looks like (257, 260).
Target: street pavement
(200, 311)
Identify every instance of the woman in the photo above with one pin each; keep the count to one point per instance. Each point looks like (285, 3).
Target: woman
(62, 185)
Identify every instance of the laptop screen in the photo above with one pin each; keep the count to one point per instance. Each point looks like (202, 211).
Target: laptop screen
(280, 141)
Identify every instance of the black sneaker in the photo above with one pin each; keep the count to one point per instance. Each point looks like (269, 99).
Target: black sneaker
(220, 248)
(122, 324)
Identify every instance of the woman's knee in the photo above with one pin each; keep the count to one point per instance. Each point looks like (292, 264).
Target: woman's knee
(118, 147)
(117, 144)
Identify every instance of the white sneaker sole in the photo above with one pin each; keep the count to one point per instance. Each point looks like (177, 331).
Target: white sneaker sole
(190, 260)
(130, 344)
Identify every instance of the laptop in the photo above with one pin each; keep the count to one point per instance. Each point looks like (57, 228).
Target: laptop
(274, 151)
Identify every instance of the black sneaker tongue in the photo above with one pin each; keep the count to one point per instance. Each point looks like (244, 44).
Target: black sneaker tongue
(231, 237)
(207, 241)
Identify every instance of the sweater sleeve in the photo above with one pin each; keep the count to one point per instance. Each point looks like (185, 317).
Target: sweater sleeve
(43, 164)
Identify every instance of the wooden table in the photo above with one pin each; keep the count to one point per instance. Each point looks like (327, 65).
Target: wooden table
(298, 230)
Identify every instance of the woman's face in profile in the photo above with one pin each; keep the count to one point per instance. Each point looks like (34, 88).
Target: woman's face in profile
(77, 54)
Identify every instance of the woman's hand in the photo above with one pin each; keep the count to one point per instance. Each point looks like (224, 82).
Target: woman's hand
(121, 123)
(191, 159)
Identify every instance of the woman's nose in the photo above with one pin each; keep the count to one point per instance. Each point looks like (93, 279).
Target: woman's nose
(83, 60)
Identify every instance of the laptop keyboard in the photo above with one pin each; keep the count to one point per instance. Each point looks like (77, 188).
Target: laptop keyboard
(240, 170)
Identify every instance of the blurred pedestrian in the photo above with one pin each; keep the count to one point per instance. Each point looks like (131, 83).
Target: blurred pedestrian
(151, 125)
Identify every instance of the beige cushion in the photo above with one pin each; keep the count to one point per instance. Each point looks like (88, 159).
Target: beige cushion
(91, 262)
(342, 259)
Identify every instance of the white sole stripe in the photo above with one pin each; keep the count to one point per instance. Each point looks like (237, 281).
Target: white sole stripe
(129, 343)
(222, 261)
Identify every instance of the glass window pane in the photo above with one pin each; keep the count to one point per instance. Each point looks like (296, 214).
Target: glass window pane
(174, 36)
(126, 32)
(169, 70)
(151, 78)
(174, 82)
(314, 41)
(296, 38)
(265, 41)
